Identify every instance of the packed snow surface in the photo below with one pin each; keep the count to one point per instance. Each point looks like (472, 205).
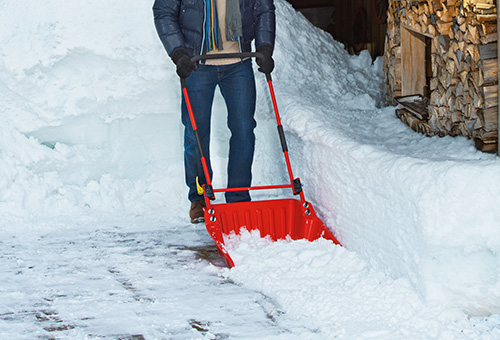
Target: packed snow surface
(95, 241)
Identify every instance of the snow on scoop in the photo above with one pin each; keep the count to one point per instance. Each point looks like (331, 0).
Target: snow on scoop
(279, 219)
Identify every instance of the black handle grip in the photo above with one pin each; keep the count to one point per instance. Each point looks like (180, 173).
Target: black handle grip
(227, 55)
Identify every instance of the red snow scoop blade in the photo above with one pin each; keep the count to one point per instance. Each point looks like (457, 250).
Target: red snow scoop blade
(278, 219)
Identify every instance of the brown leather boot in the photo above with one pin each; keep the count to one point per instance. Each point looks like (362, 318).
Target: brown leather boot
(196, 212)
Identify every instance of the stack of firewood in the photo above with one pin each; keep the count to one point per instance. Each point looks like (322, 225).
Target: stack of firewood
(463, 79)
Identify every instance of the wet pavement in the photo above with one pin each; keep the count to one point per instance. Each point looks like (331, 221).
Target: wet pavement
(133, 283)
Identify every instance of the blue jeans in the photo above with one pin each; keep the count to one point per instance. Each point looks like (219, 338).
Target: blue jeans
(237, 85)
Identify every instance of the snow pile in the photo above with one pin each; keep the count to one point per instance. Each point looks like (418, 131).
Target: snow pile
(92, 86)
(357, 302)
(91, 126)
(422, 208)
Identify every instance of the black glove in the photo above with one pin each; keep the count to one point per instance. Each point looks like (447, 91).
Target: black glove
(266, 64)
(183, 62)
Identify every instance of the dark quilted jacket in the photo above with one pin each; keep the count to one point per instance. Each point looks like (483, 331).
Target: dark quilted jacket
(180, 24)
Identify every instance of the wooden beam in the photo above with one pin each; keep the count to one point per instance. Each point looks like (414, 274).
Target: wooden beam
(413, 63)
(298, 4)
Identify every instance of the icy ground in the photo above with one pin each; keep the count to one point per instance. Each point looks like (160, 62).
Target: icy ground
(140, 278)
(143, 281)
(94, 237)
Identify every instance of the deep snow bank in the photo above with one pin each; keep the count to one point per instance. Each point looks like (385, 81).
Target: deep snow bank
(423, 208)
(93, 86)
(90, 108)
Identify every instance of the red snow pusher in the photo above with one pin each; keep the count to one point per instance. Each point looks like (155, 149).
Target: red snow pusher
(278, 218)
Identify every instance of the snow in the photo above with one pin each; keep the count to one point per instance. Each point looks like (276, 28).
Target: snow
(95, 241)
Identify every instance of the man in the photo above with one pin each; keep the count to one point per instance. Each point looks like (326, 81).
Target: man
(196, 27)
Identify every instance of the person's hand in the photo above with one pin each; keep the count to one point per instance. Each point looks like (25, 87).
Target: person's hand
(266, 63)
(183, 62)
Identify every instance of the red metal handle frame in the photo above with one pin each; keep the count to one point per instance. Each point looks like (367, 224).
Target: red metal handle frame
(282, 136)
(195, 130)
(263, 187)
(280, 131)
